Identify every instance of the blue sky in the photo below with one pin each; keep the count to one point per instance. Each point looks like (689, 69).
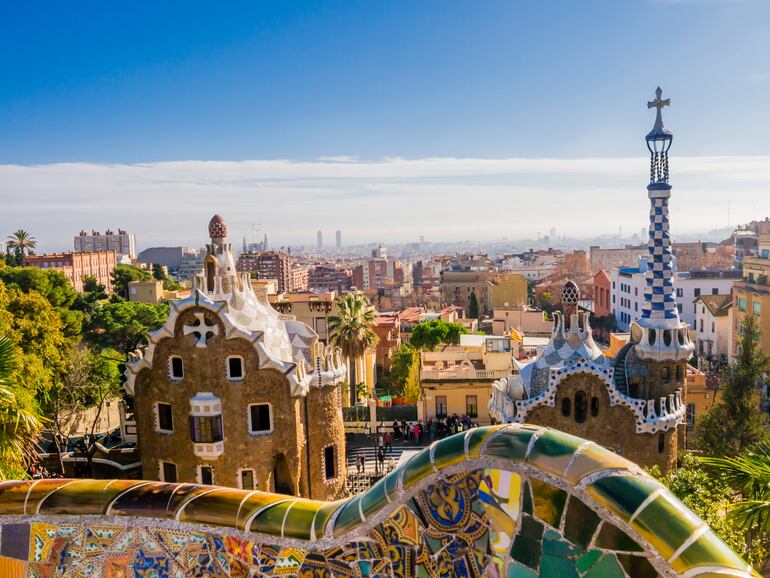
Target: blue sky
(126, 83)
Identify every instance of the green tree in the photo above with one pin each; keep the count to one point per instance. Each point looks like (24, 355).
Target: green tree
(54, 287)
(122, 326)
(403, 359)
(352, 330)
(38, 331)
(473, 306)
(21, 243)
(736, 422)
(92, 379)
(122, 275)
(19, 420)
(711, 498)
(157, 272)
(431, 334)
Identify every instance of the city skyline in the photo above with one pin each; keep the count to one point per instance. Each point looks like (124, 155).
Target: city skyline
(55, 201)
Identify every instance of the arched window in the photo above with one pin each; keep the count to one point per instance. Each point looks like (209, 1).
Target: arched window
(566, 406)
(678, 372)
(666, 374)
(581, 406)
(661, 443)
(594, 406)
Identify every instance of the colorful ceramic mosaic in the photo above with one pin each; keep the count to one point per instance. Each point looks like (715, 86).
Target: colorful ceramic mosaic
(506, 502)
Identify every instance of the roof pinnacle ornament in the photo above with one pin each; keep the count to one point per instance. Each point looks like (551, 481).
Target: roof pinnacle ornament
(217, 227)
(658, 142)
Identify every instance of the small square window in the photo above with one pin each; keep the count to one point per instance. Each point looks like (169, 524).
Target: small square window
(165, 417)
(168, 472)
(206, 475)
(247, 479)
(235, 368)
(756, 307)
(175, 367)
(715, 291)
(260, 418)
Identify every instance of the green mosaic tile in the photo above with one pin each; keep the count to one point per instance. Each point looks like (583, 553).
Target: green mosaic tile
(270, 519)
(580, 523)
(613, 538)
(511, 444)
(299, 519)
(587, 560)
(219, 507)
(608, 567)
(83, 497)
(548, 502)
(348, 518)
(558, 566)
(418, 468)
(666, 524)
(553, 451)
(594, 458)
(555, 545)
(518, 571)
(323, 516)
(623, 494)
(374, 499)
(708, 550)
(478, 435)
(637, 566)
(449, 451)
(526, 499)
(528, 542)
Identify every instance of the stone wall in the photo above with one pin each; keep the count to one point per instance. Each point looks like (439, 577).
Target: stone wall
(612, 427)
(205, 371)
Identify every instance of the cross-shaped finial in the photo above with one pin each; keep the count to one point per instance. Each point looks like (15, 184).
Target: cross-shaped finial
(658, 102)
(201, 329)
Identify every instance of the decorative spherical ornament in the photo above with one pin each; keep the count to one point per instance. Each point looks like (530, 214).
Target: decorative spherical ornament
(217, 227)
(570, 293)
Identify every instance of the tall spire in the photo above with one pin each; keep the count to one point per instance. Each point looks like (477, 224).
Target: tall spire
(663, 334)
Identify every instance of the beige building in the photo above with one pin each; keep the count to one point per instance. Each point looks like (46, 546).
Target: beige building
(609, 259)
(314, 310)
(752, 295)
(458, 379)
(229, 391)
(507, 289)
(145, 291)
(77, 266)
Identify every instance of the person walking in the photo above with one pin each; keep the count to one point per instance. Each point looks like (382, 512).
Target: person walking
(360, 463)
(388, 442)
(381, 459)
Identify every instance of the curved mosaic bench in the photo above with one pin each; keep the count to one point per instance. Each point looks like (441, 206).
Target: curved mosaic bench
(504, 501)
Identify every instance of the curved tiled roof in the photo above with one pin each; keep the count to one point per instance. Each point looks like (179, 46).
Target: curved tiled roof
(674, 540)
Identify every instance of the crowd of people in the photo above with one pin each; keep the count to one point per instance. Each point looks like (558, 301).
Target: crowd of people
(422, 433)
(39, 472)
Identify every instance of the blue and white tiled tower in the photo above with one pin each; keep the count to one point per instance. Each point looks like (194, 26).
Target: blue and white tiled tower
(660, 334)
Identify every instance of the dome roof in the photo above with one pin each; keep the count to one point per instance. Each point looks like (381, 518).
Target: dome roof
(217, 227)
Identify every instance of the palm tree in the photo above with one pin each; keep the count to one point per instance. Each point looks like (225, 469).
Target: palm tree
(352, 330)
(19, 421)
(749, 475)
(20, 243)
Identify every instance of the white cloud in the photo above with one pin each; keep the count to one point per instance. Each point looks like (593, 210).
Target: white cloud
(393, 199)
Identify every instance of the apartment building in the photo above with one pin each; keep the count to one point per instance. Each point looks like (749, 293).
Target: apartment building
(712, 326)
(751, 295)
(77, 266)
(122, 242)
(268, 265)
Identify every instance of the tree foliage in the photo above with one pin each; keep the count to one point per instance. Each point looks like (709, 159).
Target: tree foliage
(736, 422)
(122, 325)
(54, 287)
(710, 497)
(122, 275)
(473, 306)
(405, 372)
(19, 419)
(431, 334)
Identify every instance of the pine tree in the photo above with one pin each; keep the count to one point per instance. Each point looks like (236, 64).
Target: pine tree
(473, 306)
(736, 421)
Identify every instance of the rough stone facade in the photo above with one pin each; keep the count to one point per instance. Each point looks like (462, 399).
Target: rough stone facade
(213, 435)
(613, 427)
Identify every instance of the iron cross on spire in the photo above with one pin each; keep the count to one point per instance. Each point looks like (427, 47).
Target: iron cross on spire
(658, 103)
